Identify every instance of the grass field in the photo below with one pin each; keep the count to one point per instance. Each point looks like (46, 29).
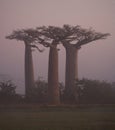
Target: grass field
(58, 118)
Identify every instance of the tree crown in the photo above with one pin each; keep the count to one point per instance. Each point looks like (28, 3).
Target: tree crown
(29, 36)
(53, 35)
(81, 36)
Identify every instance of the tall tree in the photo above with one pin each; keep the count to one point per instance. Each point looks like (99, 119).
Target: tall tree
(75, 37)
(27, 36)
(50, 37)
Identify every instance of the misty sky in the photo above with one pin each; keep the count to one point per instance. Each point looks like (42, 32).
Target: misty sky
(96, 60)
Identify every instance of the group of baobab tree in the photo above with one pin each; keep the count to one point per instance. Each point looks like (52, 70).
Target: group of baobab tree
(72, 38)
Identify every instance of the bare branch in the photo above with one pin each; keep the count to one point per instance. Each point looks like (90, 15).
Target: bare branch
(34, 46)
(91, 37)
(56, 35)
(81, 36)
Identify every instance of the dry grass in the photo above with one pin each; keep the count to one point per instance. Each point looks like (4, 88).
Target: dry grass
(34, 117)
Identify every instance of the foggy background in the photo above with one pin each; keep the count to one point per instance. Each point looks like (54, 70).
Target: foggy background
(96, 59)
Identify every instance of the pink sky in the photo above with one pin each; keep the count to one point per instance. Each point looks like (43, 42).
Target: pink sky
(96, 60)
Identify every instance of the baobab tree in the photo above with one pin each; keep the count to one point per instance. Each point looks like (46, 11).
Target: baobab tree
(75, 37)
(28, 37)
(50, 37)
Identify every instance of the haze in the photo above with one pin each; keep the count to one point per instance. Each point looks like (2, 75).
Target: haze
(96, 60)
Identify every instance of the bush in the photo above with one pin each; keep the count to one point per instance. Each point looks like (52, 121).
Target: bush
(95, 91)
(8, 93)
(91, 92)
(39, 92)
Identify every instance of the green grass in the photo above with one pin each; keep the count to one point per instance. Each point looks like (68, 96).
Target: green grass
(58, 118)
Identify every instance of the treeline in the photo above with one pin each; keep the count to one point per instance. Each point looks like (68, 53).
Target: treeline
(95, 92)
(85, 92)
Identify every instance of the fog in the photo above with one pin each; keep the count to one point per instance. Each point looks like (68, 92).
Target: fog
(96, 60)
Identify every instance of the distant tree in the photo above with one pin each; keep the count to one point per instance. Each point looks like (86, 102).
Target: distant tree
(29, 38)
(8, 93)
(39, 92)
(7, 88)
(73, 38)
(95, 91)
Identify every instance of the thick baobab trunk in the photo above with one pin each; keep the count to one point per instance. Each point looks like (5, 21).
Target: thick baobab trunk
(29, 73)
(53, 84)
(71, 74)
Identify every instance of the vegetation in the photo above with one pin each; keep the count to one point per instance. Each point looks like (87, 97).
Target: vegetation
(51, 39)
(72, 38)
(93, 92)
(58, 118)
(88, 92)
(8, 93)
(17, 113)
(39, 93)
(28, 37)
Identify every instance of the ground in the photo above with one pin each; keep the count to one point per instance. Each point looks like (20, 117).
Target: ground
(35, 117)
